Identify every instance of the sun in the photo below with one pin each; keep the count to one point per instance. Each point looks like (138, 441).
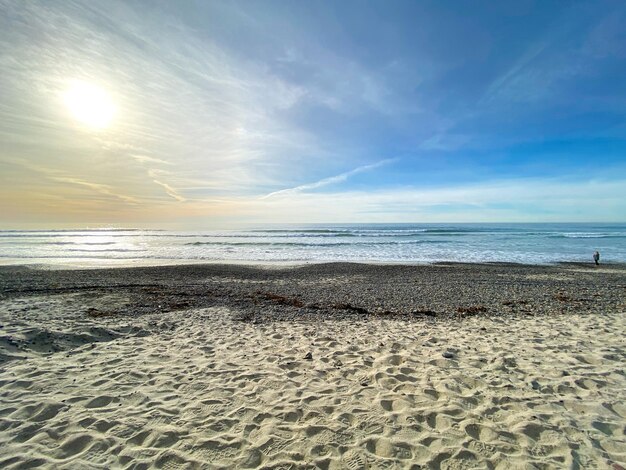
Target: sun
(89, 104)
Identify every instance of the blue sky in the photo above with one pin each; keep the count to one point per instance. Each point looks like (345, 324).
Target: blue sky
(276, 111)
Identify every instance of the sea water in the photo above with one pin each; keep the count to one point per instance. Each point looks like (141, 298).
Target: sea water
(396, 243)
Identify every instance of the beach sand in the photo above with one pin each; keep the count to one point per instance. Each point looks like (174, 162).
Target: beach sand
(325, 366)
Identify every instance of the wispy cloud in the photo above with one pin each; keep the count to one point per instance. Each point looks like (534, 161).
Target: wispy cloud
(61, 177)
(523, 200)
(146, 159)
(170, 191)
(100, 188)
(154, 174)
(330, 180)
(513, 76)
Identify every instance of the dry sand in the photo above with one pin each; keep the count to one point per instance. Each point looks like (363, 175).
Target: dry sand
(196, 388)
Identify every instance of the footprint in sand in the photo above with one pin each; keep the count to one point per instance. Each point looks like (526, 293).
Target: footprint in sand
(172, 461)
(321, 450)
(394, 405)
(383, 447)
(481, 432)
(370, 427)
(100, 402)
(99, 452)
(609, 429)
(273, 445)
(354, 460)
(74, 446)
(47, 411)
(214, 450)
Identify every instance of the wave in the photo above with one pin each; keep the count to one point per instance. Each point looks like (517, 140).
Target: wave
(588, 235)
(301, 231)
(39, 243)
(83, 236)
(399, 242)
(108, 250)
(73, 234)
(75, 243)
(356, 230)
(374, 232)
(86, 256)
(100, 230)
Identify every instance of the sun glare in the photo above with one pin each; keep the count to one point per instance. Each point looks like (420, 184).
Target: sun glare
(89, 104)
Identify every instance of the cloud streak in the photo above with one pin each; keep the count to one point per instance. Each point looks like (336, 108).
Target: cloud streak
(60, 177)
(97, 187)
(330, 180)
(170, 191)
(146, 159)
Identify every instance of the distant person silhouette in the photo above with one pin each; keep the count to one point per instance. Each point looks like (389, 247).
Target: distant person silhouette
(596, 257)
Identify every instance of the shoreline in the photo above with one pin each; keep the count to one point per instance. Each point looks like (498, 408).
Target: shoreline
(163, 262)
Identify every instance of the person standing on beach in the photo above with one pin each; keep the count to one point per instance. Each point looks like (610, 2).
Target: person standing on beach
(596, 257)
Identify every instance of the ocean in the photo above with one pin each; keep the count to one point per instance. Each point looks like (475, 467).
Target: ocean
(393, 243)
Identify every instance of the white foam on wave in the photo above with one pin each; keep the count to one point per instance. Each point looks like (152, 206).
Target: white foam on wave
(520, 243)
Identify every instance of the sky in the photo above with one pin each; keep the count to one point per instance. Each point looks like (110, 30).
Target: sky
(200, 114)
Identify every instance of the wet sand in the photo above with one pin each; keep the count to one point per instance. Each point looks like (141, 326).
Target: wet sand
(322, 366)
